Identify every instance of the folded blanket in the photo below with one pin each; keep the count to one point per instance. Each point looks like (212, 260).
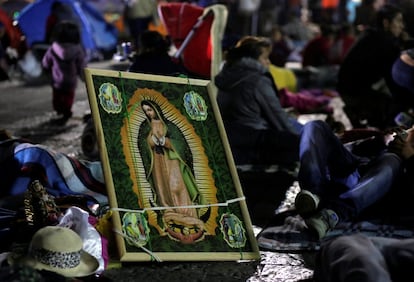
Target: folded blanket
(293, 236)
(62, 175)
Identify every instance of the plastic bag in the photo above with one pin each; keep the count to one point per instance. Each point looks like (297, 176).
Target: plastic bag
(77, 219)
(30, 65)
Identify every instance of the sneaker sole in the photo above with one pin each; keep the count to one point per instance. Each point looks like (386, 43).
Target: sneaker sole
(306, 202)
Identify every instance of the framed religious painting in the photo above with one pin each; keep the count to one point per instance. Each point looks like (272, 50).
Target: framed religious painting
(172, 184)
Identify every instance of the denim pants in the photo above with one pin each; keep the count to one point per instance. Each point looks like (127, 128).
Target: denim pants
(329, 170)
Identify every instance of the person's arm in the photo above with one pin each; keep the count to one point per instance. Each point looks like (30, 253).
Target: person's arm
(47, 59)
(273, 110)
(402, 145)
(81, 64)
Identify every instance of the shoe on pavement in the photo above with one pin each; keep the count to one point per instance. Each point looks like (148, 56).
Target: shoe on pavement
(306, 202)
(322, 221)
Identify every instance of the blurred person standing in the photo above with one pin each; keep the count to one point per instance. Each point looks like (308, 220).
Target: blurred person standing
(138, 14)
(282, 46)
(65, 59)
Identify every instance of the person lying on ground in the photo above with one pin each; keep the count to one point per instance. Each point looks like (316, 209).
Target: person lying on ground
(358, 257)
(336, 184)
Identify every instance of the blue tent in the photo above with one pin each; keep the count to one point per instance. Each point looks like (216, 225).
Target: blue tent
(97, 34)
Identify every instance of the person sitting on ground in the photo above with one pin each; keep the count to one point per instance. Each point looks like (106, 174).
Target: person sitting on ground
(153, 57)
(282, 46)
(316, 52)
(260, 131)
(365, 83)
(344, 40)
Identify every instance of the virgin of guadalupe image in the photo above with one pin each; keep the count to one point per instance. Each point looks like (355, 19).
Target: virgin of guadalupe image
(169, 169)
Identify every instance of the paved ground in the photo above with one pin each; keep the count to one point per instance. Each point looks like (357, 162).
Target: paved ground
(26, 112)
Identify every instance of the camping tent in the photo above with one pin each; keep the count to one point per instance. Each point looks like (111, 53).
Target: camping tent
(13, 7)
(98, 36)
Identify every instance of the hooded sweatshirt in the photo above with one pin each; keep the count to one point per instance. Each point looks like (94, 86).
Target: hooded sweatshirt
(247, 95)
(66, 63)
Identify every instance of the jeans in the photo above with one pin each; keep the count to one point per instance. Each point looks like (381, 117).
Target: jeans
(329, 170)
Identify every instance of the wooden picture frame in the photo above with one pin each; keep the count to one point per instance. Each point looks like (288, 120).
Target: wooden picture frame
(171, 180)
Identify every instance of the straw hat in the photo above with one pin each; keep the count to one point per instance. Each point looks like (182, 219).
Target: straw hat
(59, 249)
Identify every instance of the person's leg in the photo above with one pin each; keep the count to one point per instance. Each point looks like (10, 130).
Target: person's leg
(327, 169)
(57, 101)
(68, 99)
(376, 182)
(324, 159)
(349, 259)
(399, 256)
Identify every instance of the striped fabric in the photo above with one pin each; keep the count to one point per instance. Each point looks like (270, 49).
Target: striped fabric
(62, 175)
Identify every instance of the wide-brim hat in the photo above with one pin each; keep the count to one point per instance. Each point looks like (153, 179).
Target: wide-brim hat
(58, 249)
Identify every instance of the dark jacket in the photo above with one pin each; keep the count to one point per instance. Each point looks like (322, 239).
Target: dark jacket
(368, 61)
(247, 95)
(153, 63)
